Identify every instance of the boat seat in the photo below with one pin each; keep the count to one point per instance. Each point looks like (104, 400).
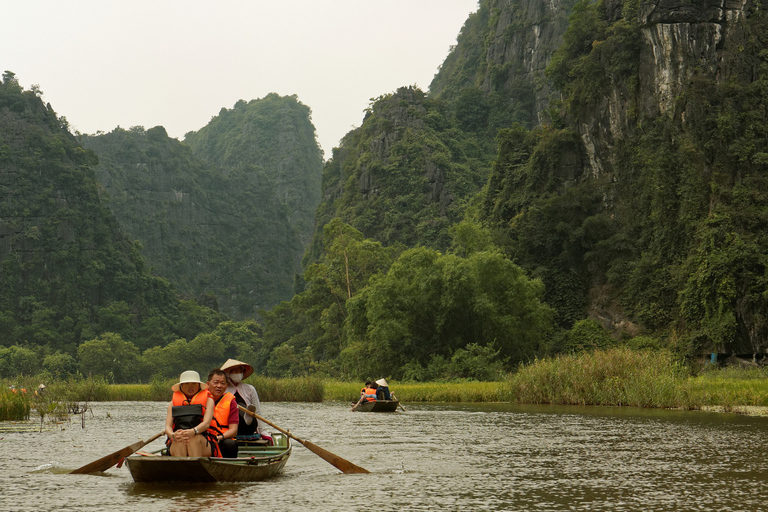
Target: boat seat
(251, 440)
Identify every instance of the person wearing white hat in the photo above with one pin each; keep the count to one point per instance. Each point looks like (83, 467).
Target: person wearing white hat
(189, 417)
(246, 396)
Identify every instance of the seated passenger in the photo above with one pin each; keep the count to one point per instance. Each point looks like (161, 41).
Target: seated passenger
(189, 416)
(225, 414)
(369, 392)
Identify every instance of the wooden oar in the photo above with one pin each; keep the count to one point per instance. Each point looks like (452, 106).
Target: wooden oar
(110, 460)
(342, 465)
(398, 402)
(357, 404)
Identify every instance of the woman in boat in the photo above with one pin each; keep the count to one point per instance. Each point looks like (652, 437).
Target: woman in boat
(189, 417)
(245, 396)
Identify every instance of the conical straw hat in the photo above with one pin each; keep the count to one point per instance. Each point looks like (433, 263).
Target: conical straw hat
(233, 363)
(382, 382)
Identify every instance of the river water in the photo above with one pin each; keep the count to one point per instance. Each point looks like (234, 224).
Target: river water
(448, 457)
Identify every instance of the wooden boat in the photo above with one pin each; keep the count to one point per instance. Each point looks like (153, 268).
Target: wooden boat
(254, 462)
(378, 406)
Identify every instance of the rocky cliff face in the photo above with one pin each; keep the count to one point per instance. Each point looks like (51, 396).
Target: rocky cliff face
(656, 151)
(679, 39)
(404, 176)
(504, 49)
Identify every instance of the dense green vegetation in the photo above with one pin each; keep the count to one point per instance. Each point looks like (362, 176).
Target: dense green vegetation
(459, 237)
(672, 237)
(226, 215)
(67, 273)
(405, 176)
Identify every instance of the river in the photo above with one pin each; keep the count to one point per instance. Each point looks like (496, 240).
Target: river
(447, 457)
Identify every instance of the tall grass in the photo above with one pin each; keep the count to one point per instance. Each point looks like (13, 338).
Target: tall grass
(299, 389)
(13, 406)
(612, 377)
(729, 387)
(618, 376)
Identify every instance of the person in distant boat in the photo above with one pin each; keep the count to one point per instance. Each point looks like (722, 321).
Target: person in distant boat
(369, 391)
(189, 416)
(382, 392)
(246, 396)
(225, 413)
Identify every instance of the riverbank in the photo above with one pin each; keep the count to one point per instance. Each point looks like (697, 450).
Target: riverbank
(616, 377)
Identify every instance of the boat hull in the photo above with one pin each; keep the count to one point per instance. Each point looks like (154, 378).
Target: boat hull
(253, 464)
(378, 406)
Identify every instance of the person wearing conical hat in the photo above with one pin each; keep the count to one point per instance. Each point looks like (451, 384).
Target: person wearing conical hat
(383, 390)
(245, 396)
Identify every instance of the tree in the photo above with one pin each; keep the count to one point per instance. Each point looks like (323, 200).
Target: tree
(110, 357)
(432, 304)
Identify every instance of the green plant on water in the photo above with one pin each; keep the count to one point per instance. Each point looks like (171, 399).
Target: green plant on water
(14, 406)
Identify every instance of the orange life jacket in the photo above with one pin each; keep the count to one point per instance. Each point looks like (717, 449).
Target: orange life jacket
(369, 394)
(201, 398)
(220, 422)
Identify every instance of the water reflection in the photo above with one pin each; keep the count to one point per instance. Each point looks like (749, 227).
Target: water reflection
(435, 456)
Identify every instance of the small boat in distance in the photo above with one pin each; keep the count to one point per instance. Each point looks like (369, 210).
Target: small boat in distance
(255, 461)
(378, 406)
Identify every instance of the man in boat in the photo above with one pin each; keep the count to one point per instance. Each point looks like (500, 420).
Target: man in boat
(245, 396)
(225, 413)
(188, 418)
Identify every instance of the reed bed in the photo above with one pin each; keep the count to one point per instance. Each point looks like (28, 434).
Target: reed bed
(14, 406)
(729, 388)
(296, 389)
(299, 389)
(618, 376)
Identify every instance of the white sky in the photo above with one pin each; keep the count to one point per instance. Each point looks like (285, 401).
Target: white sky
(176, 63)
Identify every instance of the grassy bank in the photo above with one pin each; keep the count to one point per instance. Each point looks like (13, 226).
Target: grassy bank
(618, 377)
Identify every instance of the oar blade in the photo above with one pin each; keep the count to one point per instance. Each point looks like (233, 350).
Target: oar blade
(341, 464)
(110, 460)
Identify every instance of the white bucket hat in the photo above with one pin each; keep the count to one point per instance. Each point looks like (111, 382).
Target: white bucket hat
(382, 382)
(189, 376)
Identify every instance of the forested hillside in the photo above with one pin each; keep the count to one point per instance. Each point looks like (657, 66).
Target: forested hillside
(581, 174)
(226, 215)
(662, 222)
(68, 275)
(627, 173)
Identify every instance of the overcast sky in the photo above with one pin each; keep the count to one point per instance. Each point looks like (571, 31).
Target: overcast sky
(176, 63)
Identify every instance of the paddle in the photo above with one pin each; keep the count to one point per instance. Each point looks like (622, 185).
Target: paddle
(342, 465)
(357, 404)
(398, 402)
(110, 460)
